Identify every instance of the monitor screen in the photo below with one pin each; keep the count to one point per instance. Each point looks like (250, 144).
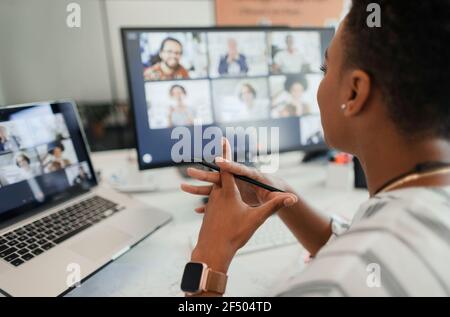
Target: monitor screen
(246, 77)
(43, 157)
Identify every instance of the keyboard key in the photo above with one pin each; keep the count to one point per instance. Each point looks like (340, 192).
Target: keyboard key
(10, 236)
(48, 246)
(19, 232)
(32, 246)
(27, 257)
(97, 219)
(22, 238)
(37, 251)
(17, 262)
(12, 243)
(3, 247)
(11, 257)
(21, 245)
(42, 241)
(31, 240)
(22, 251)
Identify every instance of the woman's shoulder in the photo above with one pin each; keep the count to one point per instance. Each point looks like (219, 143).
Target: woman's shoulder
(402, 235)
(401, 200)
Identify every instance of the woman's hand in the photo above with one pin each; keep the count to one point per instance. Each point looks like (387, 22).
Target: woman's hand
(229, 222)
(250, 194)
(310, 227)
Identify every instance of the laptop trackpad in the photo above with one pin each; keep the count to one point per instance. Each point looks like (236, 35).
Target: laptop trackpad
(102, 242)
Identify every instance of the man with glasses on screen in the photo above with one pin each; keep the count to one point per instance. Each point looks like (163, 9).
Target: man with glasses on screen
(169, 66)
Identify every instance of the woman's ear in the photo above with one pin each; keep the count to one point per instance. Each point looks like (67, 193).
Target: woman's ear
(358, 93)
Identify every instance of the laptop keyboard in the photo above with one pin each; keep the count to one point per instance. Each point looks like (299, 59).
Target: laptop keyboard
(29, 241)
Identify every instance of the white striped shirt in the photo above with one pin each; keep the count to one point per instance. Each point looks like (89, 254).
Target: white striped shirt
(398, 244)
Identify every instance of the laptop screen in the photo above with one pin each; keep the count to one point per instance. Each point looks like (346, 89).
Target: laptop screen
(43, 157)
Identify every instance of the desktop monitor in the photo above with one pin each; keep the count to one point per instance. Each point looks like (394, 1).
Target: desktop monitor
(223, 77)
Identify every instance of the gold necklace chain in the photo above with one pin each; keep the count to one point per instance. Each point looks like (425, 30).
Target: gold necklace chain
(413, 177)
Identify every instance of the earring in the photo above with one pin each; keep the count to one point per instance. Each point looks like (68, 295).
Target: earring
(343, 106)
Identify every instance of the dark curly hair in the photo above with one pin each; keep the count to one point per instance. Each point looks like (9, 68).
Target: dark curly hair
(408, 59)
(294, 79)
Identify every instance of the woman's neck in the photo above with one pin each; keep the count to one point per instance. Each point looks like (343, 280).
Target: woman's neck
(180, 104)
(386, 161)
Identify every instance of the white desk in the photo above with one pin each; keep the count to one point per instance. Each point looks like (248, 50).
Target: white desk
(154, 267)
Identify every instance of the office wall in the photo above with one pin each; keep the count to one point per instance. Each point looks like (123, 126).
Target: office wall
(41, 58)
(2, 98)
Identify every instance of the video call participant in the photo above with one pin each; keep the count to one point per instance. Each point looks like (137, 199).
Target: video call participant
(169, 66)
(233, 62)
(251, 108)
(54, 160)
(290, 101)
(24, 163)
(82, 178)
(8, 142)
(289, 60)
(179, 112)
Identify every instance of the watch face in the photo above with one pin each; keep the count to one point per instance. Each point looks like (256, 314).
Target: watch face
(191, 277)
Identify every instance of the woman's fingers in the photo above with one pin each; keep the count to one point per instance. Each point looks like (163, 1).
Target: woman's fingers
(236, 168)
(228, 183)
(279, 200)
(200, 210)
(197, 190)
(206, 176)
(226, 149)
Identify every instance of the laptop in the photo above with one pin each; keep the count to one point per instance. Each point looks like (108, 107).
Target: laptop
(57, 225)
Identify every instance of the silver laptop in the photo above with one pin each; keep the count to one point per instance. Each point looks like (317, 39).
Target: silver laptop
(57, 226)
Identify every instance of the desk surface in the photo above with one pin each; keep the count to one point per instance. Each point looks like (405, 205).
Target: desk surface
(154, 267)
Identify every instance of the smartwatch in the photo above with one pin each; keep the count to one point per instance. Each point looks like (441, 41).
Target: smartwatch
(198, 278)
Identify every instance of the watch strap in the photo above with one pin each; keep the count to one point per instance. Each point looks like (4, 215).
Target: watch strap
(216, 282)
